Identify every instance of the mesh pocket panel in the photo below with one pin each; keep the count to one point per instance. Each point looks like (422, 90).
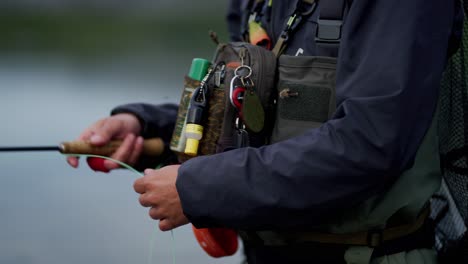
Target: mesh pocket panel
(453, 126)
(451, 235)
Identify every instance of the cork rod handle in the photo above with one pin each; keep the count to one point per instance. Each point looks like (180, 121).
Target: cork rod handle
(151, 147)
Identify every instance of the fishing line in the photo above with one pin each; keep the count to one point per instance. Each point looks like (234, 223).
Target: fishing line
(139, 174)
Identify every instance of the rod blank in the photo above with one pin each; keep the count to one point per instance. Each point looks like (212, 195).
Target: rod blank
(151, 147)
(35, 148)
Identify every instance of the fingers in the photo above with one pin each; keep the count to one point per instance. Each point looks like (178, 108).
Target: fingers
(104, 131)
(122, 153)
(114, 127)
(101, 132)
(140, 184)
(125, 150)
(166, 225)
(137, 150)
(73, 161)
(166, 222)
(128, 152)
(145, 200)
(155, 213)
(85, 135)
(88, 133)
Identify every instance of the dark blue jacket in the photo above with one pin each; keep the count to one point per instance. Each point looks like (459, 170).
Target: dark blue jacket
(389, 68)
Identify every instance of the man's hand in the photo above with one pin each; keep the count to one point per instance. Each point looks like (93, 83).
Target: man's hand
(121, 126)
(158, 191)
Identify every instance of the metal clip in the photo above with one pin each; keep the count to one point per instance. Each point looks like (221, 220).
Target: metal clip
(239, 124)
(219, 75)
(231, 90)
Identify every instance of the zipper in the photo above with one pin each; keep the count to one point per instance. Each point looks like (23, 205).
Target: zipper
(254, 50)
(243, 55)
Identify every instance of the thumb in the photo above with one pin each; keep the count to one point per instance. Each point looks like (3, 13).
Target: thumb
(106, 132)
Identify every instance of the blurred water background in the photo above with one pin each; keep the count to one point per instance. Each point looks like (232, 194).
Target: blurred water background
(63, 65)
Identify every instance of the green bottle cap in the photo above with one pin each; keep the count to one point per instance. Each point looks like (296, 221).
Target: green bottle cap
(199, 69)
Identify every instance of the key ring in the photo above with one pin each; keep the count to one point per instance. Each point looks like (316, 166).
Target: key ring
(237, 72)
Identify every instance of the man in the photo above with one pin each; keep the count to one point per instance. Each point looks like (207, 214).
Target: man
(370, 168)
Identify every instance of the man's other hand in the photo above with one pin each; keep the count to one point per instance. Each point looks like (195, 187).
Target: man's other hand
(158, 191)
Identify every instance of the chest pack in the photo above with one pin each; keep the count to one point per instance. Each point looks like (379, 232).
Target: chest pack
(250, 95)
(233, 102)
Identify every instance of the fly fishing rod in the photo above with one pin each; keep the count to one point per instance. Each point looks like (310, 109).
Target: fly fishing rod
(151, 147)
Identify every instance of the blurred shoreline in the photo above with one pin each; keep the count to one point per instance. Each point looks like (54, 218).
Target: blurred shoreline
(63, 65)
(107, 32)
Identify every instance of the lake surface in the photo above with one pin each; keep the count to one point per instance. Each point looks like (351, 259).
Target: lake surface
(53, 214)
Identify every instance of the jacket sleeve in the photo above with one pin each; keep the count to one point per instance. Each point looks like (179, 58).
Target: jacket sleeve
(390, 64)
(156, 121)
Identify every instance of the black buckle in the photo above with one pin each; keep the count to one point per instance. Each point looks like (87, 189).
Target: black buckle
(375, 238)
(329, 30)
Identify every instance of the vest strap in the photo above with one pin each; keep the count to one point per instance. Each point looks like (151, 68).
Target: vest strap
(329, 27)
(371, 238)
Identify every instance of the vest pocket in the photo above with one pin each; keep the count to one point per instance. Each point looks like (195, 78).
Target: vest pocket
(305, 94)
